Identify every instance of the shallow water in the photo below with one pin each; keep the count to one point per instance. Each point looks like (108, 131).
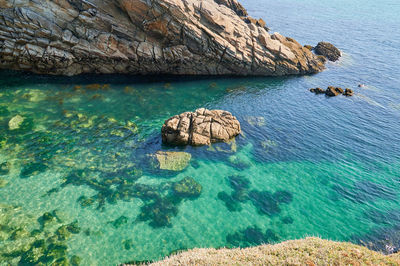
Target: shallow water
(304, 165)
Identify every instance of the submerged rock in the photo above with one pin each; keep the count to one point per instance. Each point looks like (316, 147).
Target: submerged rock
(31, 169)
(15, 122)
(159, 212)
(201, 127)
(231, 204)
(4, 168)
(191, 37)
(171, 160)
(258, 121)
(3, 182)
(328, 50)
(117, 223)
(187, 187)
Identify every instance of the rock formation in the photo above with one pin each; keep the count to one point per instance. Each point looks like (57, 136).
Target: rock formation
(318, 91)
(201, 127)
(328, 50)
(212, 37)
(348, 92)
(333, 91)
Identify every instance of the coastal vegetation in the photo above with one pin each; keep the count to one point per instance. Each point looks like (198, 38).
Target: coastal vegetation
(308, 251)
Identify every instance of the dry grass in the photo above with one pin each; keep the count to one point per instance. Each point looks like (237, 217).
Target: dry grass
(309, 251)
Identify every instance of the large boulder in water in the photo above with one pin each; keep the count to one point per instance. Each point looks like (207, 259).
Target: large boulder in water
(201, 127)
(328, 50)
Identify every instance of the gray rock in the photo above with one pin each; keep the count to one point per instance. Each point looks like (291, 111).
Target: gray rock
(145, 37)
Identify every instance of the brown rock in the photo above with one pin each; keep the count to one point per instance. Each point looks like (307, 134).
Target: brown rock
(261, 23)
(309, 47)
(318, 91)
(340, 90)
(328, 50)
(333, 91)
(348, 92)
(201, 127)
(235, 6)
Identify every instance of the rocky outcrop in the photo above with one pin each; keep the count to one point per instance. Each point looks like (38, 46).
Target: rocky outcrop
(333, 91)
(348, 92)
(318, 91)
(213, 37)
(201, 127)
(328, 50)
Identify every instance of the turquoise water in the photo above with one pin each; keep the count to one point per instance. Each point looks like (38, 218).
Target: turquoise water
(78, 170)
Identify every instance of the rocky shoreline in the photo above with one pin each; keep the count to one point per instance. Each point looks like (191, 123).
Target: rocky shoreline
(211, 37)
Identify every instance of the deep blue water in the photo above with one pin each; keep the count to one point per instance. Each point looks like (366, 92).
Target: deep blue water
(304, 165)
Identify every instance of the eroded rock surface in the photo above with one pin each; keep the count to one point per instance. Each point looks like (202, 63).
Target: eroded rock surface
(328, 50)
(201, 127)
(213, 37)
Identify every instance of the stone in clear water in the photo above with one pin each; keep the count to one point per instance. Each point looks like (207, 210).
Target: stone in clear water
(187, 187)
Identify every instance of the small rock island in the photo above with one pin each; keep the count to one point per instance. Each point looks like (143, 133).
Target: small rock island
(201, 127)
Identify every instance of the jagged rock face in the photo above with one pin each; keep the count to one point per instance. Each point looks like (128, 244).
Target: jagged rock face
(144, 37)
(201, 127)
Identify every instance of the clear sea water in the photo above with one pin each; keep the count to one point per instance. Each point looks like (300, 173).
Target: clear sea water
(306, 165)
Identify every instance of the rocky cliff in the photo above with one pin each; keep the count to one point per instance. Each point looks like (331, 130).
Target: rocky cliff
(207, 37)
